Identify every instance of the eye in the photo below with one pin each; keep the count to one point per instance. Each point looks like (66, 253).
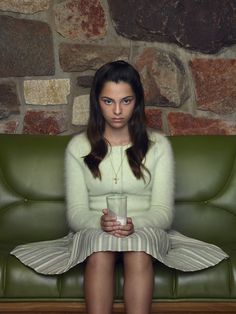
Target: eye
(127, 101)
(107, 101)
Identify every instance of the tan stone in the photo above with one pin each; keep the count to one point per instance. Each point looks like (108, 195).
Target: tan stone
(80, 110)
(25, 6)
(46, 92)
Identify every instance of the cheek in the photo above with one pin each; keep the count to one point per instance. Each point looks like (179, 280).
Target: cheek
(130, 111)
(103, 109)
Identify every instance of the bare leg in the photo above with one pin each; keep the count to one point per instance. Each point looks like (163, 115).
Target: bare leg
(99, 282)
(139, 279)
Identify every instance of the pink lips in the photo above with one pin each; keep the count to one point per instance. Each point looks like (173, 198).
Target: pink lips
(117, 119)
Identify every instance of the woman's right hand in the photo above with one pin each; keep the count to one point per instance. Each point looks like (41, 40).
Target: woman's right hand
(108, 223)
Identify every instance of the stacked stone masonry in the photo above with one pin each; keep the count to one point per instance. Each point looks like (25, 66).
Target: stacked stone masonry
(184, 50)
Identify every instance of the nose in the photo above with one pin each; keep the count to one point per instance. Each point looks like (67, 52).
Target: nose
(117, 109)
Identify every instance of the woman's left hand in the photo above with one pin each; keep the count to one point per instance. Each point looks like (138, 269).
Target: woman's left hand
(124, 230)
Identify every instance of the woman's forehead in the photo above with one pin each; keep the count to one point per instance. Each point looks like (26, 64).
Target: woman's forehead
(116, 89)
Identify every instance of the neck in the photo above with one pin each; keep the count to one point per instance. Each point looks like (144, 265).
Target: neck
(117, 137)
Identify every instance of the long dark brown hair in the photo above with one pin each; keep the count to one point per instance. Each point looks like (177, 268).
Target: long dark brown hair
(117, 71)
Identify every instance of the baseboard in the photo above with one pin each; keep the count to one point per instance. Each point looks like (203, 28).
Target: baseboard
(78, 307)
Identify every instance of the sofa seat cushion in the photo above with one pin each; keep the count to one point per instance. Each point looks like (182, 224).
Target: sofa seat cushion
(21, 282)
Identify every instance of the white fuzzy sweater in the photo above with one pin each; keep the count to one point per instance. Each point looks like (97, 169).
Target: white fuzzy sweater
(148, 204)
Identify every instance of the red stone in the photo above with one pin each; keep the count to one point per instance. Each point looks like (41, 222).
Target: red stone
(9, 127)
(154, 118)
(185, 124)
(215, 83)
(44, 122)
(80, 19)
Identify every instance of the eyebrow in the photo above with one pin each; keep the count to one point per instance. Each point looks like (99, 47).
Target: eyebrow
(106, 97)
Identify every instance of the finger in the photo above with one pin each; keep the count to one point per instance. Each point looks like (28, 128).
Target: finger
(126, 227)
(123, 232)
(105, 211)
(129, 220)
(109, 222)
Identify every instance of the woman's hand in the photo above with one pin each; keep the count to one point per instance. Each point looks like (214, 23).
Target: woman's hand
(111, 226)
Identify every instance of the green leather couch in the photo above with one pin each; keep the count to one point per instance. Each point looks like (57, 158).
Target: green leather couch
(32, 208)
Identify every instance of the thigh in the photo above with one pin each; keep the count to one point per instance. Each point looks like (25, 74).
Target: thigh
(136, 260)
(101, 259)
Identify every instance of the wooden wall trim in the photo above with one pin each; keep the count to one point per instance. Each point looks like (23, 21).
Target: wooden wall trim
(78, 307)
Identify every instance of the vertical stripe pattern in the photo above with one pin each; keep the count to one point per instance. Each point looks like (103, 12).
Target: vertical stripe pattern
(171, 248)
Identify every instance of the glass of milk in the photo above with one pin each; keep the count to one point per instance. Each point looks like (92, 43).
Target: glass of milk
(117, 206)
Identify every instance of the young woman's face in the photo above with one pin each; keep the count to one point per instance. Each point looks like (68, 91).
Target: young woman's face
(117, 102)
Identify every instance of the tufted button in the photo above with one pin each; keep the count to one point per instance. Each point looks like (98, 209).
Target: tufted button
(26, 200)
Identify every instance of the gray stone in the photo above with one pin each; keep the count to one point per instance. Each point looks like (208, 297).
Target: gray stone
(76, 57)
(201, 25)
(26, 48)
(85, 81)
(9, 102)
(164, 78)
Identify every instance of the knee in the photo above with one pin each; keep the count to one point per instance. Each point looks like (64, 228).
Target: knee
(138, 262)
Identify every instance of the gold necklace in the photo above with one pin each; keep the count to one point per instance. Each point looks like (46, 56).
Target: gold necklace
(119, 168)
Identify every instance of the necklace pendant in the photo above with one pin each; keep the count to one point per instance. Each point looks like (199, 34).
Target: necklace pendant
(115, 180)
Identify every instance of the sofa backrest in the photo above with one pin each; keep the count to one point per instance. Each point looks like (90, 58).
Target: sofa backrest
(206, 187)
(32, 205)
(32, 188)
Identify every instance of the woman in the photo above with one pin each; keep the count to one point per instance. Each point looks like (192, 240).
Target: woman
(115, 164)
(117, 154)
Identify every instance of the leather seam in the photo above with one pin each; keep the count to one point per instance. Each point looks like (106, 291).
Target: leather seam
(59, 285)
(230, 276)
(4, 281)
(7, 185)
(174, 287)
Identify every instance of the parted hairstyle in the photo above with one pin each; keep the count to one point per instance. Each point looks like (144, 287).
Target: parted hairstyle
(117, 71)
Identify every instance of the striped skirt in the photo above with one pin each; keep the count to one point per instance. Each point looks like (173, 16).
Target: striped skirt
(169, 247)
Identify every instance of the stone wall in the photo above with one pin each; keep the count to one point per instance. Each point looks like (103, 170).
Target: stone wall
(184, 49)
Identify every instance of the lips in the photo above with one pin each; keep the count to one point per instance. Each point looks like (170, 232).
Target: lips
(117, 119)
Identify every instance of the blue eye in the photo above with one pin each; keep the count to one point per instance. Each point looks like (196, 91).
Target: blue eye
(108, 101)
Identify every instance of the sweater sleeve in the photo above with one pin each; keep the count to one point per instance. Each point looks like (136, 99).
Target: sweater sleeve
(160, 213)
(79, 215)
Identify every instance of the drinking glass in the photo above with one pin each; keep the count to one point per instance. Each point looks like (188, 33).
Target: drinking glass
(117, 206)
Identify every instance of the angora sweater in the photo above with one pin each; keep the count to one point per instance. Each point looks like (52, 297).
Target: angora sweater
(149, 203)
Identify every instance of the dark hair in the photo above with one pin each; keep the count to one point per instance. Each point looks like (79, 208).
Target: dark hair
(117, 71)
